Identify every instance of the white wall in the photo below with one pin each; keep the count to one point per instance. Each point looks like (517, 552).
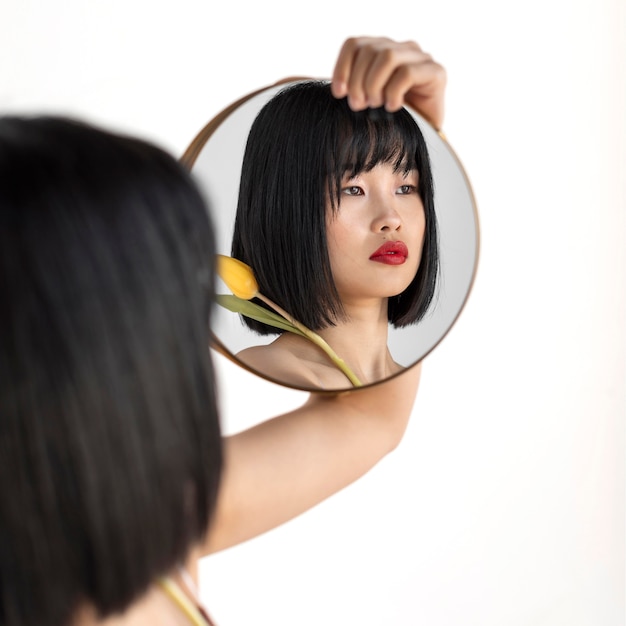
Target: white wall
(504, 505)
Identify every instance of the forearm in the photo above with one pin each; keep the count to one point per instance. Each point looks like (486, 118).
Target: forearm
(282, 467)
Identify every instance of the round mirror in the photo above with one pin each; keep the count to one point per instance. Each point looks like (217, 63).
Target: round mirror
(215, 158)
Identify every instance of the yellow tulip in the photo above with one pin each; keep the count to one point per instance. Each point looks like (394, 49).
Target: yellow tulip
(238, 276)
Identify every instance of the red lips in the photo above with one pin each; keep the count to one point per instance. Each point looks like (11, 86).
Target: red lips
(391, 253)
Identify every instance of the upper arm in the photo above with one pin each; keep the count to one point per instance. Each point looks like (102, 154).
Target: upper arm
(282, 467)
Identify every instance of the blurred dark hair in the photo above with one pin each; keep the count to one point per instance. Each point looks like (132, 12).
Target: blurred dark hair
(300, 145)
(110, 447)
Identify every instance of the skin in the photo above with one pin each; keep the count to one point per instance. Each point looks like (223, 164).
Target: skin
(352, 431)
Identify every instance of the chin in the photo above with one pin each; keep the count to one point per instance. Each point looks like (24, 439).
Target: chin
(398, 288)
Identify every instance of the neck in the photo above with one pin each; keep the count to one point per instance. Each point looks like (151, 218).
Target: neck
(361, 341)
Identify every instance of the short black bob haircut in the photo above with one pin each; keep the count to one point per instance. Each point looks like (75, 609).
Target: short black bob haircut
(300, 145)
(110, 447)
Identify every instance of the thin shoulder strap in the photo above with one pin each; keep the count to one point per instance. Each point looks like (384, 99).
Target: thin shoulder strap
(196, 613)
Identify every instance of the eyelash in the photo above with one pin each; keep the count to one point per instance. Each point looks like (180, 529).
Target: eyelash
(348, 190)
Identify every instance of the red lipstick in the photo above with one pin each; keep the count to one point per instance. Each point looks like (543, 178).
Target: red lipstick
(391, 253)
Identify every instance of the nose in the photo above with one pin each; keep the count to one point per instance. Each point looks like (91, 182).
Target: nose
(386, 220)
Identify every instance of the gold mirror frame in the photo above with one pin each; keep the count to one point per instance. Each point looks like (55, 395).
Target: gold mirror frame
(214, 158)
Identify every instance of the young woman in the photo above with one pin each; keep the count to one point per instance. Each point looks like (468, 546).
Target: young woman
(336, 218)
(114, 477)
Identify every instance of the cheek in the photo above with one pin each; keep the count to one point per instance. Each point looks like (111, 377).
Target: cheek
(416, 225)
(334, 245)
(422, 221)
(341, 237)
(345, 253)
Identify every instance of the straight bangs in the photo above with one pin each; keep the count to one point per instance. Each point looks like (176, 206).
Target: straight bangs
(365, 139)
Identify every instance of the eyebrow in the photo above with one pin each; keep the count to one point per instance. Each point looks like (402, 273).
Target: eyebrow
(399, 168)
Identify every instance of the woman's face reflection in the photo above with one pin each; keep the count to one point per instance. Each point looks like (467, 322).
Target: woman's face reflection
(375, 234)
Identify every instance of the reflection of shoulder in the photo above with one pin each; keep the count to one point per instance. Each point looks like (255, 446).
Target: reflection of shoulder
(280, 363)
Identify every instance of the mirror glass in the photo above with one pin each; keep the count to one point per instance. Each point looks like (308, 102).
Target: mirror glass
(215, 157)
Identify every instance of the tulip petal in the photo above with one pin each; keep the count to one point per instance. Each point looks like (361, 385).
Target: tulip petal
(238, 276)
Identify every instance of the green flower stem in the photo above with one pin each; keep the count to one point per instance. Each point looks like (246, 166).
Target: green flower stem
(316, 339)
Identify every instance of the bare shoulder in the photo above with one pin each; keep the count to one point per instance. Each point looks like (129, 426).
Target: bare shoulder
(294, 360)
(278, 361)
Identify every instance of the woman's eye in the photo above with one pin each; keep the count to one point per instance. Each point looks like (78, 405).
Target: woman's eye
(352, 191)
(407, 189)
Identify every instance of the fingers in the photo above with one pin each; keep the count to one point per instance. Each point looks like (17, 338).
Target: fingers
(421, 87)
(374, 72)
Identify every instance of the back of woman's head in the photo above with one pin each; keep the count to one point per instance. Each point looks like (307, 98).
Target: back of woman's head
(109, 439)
(300, 146)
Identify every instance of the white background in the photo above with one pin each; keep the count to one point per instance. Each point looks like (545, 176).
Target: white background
(504, 504)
